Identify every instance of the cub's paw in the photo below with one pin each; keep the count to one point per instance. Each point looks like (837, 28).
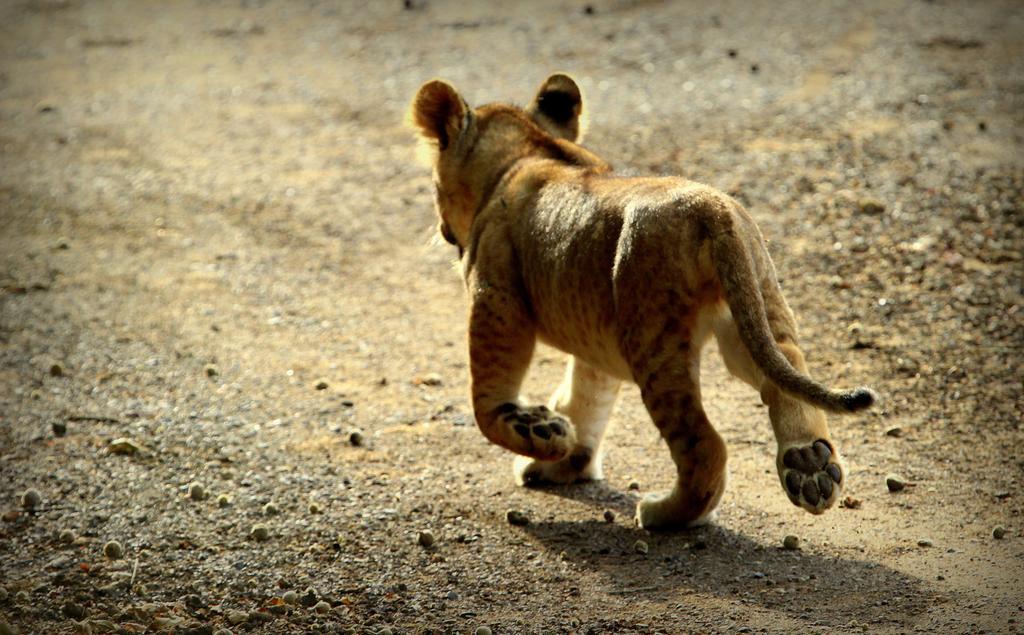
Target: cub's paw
(537, 432)
(663, 513)
(812, 475)
(579, 465)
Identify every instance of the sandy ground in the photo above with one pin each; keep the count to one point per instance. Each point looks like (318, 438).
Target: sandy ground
(209, 209)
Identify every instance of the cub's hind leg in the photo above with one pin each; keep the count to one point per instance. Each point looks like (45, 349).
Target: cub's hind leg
(586, 396)
(665, 358)
(809, 466)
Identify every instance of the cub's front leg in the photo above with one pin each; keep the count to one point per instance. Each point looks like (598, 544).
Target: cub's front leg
(501, 343)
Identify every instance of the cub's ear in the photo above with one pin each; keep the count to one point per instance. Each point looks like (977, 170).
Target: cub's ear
(558, 106)
(439, 112)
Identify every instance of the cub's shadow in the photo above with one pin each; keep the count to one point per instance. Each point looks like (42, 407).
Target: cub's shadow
(823, 590)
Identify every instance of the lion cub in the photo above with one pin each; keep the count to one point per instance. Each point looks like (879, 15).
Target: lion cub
(630, 276)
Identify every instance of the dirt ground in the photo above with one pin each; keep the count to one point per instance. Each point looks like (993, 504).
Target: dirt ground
(217, 250)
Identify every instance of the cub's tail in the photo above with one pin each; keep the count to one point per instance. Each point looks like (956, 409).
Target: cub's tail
(743, 295)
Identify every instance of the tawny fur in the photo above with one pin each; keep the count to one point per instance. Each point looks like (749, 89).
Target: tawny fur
(630, 276)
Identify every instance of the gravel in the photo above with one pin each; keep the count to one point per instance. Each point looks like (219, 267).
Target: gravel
(113, 550)
(259, 533)
(516, 517)
(196, 491)
(895, 483)
(31, 499)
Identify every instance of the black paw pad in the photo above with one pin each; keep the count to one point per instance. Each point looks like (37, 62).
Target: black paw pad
(824, 485)
(834, 471)
(822, 453)
(542, 431)
(810, 492)
(523, 430)
(810, 477)
(793, 483)
(557, 428)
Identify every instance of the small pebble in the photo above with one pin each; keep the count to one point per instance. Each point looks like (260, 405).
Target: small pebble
(31, 499)
(482, 630)
(290, 597)
(791, 542)
(894, 432)
(998, 532)
(308, 598)
(210, 370)
(59, 428)
(113, 550)
(322, 607)
(609, 516)
(515, 517)
(196, 491)
(640, 547)
(356, 438)
(314, 508)
(588, 9)
(74, 611)
(871, 206)
(237, 617)
(426, 539)
(67, 536)
(123, 446)
(452, 595)
(56, 370)
(895, 483)
(732, 52)
(430, 379)
(223, 500)
(924, 542)
(259, 532)
(320, 385)
(270, 509)
(633, 485)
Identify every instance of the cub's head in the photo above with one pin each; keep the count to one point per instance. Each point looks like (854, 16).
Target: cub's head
(471, 149)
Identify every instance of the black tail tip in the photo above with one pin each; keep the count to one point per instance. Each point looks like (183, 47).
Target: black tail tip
(859, 399)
